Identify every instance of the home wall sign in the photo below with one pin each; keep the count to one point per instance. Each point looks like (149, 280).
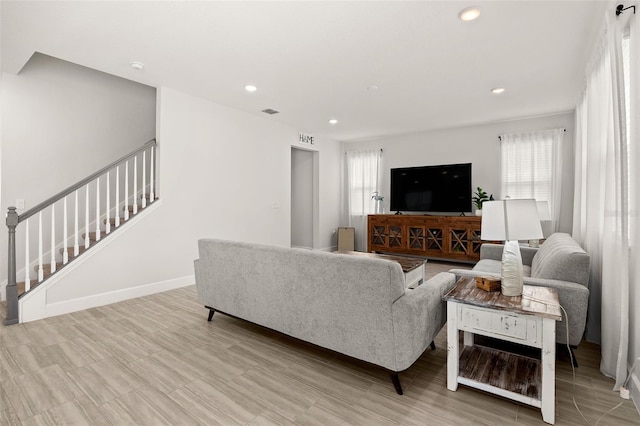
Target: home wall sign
(304, 138)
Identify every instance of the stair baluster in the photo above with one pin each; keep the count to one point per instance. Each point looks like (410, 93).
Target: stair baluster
(126, 190)
(97, 209)
(65, 250)
(117, 196)
(87, 222)
(151, 177)
(135, 184)
(76, 246)
(108, 208)
(144, 182)
(40, 256)
(27, 281)
(53, 238)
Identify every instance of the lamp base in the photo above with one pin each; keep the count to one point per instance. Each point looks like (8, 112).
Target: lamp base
(511, 270)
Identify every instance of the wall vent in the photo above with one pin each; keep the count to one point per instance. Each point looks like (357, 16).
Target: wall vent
(270, 111)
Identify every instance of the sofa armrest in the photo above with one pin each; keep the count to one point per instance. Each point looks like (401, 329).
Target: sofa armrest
(491, 251)
(418, 317)
(494, 251)
(471, 273)
(574, 298)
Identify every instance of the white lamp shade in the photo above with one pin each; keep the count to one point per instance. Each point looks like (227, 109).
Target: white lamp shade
(509, 220)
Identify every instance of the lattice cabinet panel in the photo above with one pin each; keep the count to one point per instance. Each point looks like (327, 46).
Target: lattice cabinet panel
(459, 241)
(417, 238)
(435, 239)
(476, 242)
(379, 236)
(395, 236)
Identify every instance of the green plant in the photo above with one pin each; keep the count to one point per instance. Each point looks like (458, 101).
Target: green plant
(479, 197)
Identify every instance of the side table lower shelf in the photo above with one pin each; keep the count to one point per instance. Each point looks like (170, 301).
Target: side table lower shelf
(502, 373)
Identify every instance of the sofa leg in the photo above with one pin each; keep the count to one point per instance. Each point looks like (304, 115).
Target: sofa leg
(573, 357)
(562, 348)
(211, 312)
(433, 345)
(395, 379)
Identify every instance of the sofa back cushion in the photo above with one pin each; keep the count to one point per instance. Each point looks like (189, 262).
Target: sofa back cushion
(561, 258)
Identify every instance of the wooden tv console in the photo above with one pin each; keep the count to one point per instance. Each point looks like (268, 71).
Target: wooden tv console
(446, 237)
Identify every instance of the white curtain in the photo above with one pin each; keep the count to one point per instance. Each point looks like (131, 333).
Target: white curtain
(603, 198)
(633, 120)
(363, 178)
(532, 168)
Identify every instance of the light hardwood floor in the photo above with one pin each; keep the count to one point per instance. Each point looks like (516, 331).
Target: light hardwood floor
(156, 360)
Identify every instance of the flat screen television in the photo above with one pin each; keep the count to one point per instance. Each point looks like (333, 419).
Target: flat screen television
(444, 188)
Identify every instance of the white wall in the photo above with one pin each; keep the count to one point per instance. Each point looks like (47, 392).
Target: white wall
(478, 145)
(330, 189)
(302, 193)
(221, 171)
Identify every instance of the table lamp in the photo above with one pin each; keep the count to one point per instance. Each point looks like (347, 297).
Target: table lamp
(509, 221)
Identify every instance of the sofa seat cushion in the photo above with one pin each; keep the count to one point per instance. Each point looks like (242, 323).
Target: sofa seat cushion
(561, 258)
(493, 267)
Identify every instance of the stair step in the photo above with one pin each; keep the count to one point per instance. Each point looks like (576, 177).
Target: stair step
(70, 250)
(21, 286)
(92, 236)
(112, 221)
(130, 208)
(47, 268)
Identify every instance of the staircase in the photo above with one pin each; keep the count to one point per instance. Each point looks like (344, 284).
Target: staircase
(86, 213)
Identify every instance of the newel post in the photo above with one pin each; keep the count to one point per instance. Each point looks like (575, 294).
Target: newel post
(12, 289)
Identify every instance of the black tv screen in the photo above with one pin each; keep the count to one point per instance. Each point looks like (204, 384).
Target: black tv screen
(445, 188)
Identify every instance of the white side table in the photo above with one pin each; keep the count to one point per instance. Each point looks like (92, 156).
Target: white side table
(527, 320)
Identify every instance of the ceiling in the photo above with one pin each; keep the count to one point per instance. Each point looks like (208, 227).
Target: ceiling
(314, 60)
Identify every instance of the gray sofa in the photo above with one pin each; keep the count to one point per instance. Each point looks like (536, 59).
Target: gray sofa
(559, 263)
(354, 305)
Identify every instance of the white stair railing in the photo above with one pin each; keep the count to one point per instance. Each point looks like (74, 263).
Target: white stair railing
(99, 188)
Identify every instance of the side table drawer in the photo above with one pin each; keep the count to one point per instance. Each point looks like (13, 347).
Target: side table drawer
(503, 325)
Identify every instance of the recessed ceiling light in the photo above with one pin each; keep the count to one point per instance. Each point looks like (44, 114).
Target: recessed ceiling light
(137, 65)
(497, 90)
(333, 121)
(372, 88)
(250, 88)
(469, 13)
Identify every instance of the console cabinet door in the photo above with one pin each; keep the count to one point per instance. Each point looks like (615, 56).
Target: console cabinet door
(377, 237)
(386, 234)
(459, 242)
(397, 239)
(417, 238)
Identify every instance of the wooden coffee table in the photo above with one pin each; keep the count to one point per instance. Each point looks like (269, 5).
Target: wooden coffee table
(413, 267)
(528, 320)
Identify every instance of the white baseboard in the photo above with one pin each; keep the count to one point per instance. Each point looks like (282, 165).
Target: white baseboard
(53, 309)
